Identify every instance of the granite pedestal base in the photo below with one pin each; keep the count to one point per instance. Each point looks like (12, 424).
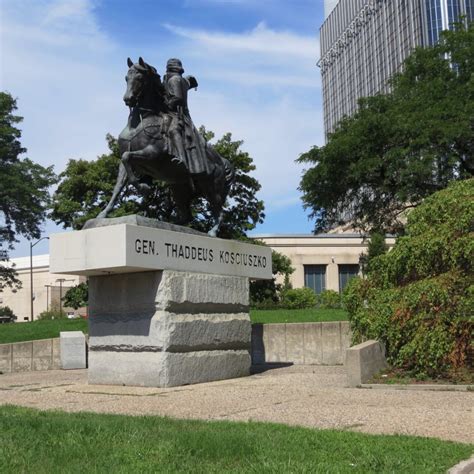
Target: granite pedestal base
(168, 328)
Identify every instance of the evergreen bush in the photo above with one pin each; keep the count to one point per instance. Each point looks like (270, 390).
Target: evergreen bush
(329, 299)
(299, 298)
(50, 314)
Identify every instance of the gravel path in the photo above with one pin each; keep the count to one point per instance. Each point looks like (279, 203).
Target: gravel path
(313, 396)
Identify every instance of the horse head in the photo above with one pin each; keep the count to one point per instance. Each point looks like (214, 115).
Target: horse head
(143, 82)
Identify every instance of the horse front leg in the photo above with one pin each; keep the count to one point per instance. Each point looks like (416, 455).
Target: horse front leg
(121, 180)
(128, 157)
(132, 177)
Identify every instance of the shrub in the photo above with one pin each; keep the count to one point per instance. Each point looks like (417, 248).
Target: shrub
(299, 298)
(51, 314)
(7, 314)
(328, 299)
(263, 292)
(376, 246)
(418, 299)
(266, 304)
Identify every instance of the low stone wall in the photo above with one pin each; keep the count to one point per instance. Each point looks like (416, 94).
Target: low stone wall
(297, 343)
(43, 354)
(301, 343)
(363, 361)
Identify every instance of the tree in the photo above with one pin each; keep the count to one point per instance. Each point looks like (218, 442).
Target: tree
(77, 296)
(86, 186)
(400, 147)
(269, 291)
(418, 299)
(376, 246)
(24, 196)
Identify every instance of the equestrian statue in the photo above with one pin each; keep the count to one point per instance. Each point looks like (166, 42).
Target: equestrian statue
(161, 142)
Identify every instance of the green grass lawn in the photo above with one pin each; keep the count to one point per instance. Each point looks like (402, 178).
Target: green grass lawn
(297, 315)
(50, 442)
(17, 332)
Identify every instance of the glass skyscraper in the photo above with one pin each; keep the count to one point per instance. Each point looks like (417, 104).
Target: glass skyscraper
(364, 42)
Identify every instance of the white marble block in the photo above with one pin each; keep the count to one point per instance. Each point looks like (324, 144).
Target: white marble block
(73, 349)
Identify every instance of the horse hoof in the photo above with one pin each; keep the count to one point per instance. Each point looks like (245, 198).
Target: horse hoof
(144, 188)
(212, 233)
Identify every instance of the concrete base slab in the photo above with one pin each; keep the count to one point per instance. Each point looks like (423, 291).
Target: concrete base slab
(165, 369)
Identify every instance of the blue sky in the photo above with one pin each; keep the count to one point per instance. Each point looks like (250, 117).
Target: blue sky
(255, 61)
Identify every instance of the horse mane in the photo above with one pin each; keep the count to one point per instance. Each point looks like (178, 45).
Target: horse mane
(156, 81)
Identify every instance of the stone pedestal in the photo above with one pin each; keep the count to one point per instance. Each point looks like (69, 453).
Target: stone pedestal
(168, 328)
(167, 305)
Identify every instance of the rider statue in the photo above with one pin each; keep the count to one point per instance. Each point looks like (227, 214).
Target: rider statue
(187, 144)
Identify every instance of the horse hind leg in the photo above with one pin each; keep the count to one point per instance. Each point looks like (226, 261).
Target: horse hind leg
(120, 183)
(216, 201)
(182, 199)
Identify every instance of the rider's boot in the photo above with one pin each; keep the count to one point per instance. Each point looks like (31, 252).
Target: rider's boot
(179, 148)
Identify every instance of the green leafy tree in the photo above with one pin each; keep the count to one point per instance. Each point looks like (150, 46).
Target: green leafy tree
(376, 246)
(400, 147)
(268, 292)
(418, 299)
(77, 296)
(24, 196)
(86, 186)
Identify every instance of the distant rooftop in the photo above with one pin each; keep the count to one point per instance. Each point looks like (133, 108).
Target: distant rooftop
(307, 236)
(24, 262)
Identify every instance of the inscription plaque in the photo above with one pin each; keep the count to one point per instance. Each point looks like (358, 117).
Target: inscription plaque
(129, 248)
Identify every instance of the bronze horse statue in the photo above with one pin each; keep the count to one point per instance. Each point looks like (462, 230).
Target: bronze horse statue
(146, 152)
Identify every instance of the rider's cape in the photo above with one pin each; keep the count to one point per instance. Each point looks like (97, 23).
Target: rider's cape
(197, 159)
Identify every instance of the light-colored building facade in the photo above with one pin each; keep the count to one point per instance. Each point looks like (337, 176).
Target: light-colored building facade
(364, 42)
(47, 288)
(321, 262)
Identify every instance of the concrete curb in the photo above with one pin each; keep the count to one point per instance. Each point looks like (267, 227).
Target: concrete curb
(420, 387)
(464, 467)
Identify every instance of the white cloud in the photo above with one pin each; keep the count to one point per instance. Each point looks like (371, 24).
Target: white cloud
(263, 86)
(56, 60)
(261, 40)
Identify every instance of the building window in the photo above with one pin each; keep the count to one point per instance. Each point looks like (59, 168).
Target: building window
(315, 277)
(346, 272)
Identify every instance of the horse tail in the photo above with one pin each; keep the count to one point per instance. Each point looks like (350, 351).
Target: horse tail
(228, 168)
